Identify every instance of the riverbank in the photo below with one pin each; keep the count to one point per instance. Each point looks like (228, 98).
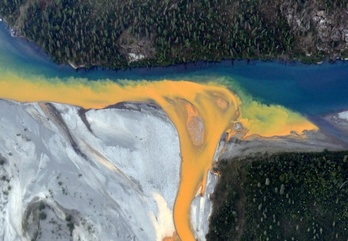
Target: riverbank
(281, 196)
(190, 32)
(238, 147)
(232, 203)
(308, 89)
(33, 51)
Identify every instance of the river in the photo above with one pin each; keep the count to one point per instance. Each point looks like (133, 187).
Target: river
(274, 98)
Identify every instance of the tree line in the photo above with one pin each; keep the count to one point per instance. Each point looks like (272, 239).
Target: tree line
(168, 32)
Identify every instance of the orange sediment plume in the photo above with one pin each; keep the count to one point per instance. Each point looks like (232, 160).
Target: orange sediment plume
(200, 112)
(200, 122)
(272, 120)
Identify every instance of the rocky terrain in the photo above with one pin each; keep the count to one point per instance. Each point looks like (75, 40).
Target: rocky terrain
(73, 174)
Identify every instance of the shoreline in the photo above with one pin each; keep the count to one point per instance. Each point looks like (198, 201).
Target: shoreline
(186, 66)
(237, 147)
(309, 141)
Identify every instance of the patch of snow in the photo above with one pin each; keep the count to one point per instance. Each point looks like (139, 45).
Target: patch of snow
(13, 33)
(135, 57)
(343, 115)
(345, 35)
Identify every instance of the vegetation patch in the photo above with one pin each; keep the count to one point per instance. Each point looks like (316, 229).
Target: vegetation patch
(122, 34)
(291, 196)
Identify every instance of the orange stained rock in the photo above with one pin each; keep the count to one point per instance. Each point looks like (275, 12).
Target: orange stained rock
(194, 124)
(168, 239)
(175, 237)
(200, 113)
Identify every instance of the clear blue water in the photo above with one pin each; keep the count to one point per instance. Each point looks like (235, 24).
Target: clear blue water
(309, 89)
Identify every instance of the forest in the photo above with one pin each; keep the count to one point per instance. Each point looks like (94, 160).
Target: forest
(136, 33)
(288, 196)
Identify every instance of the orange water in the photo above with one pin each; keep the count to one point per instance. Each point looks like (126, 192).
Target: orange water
(200, 112)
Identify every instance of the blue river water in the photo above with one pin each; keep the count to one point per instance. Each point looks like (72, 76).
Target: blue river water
(309, 89)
